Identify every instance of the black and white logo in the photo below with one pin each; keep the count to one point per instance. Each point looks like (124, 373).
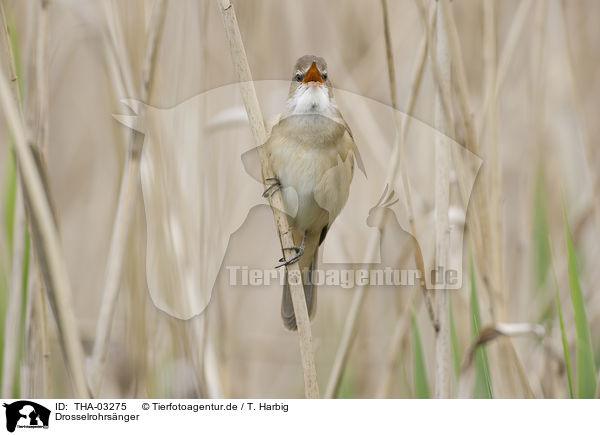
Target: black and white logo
(26, 414)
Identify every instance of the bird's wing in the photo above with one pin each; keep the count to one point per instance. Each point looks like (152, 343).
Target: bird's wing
(359, 161)
(331, 193)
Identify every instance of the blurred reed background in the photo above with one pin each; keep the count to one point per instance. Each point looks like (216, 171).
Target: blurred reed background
(523, 92)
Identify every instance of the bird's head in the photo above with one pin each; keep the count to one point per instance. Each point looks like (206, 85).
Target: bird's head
(310, 89)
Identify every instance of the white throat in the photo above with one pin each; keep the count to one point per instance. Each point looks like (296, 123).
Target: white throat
(311, 100)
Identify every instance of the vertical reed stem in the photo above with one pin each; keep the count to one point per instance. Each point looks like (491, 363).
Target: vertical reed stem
(125, 208)
(12, 341)
(49, 250)
(442, 198)
(244, 77)
(351, 324)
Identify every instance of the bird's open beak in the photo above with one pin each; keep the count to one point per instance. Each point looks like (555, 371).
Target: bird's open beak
(313, 75)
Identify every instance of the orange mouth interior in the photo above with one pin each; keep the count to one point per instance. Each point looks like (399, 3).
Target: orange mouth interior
(313, 75)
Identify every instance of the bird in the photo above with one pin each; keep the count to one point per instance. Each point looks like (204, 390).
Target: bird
(311, 152)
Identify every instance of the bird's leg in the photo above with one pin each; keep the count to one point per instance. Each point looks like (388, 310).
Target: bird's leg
(299, 252)
(275, 186)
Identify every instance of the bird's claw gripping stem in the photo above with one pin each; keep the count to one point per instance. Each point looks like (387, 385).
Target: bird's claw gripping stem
(299, 252)
(271, 188)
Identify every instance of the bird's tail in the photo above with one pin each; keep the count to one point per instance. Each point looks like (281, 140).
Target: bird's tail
(310, 293)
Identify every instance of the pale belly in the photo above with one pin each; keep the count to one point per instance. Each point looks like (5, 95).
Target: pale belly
(300, 177)
(313, 175)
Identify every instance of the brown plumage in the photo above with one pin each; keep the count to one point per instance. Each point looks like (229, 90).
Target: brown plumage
(311, 151)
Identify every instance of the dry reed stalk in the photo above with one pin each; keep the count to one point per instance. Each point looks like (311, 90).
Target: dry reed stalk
(516, 376)
(584, 133)
(515, 366)
(494, 179)
(42, 80)
(538, 82)
(351, 324)
(399, 336)
(13, 313)
(48, 250)
(10, 59)
(209, 361)
(35, 373)
(442, 201)
(478, 218)
(494, 175)
(119, 60)
(12, 340)
(481, 221)
(505, 60)
(127, 195)
(487, 335)
(350, 329)
(402, 324)
(140, 313)
(494, 184)
(538, 78)
(441, 85)
(37, 302)
(36, 320)
(43, 90)
(255, 119)
(28, 367)
(490, 227)
(402, 124)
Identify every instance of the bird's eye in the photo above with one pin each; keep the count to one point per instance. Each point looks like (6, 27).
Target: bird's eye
(324, 75)
(298, 77)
